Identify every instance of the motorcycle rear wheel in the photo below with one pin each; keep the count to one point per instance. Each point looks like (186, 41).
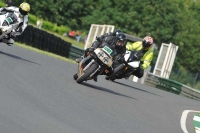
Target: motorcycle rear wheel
(87, 73)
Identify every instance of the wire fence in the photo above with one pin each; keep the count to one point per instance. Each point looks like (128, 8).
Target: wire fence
(188, 78)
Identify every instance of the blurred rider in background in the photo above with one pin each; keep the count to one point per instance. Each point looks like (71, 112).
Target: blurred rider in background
(23, 9)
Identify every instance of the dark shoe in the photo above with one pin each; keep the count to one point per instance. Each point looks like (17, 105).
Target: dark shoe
(127, 77)
(95, 79)
(78, 59)
(75, 76)
(9, 39)
(9, 44)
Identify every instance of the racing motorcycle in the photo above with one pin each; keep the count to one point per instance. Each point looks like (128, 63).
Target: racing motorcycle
(127, 66)
(8, 22)
(95, 62)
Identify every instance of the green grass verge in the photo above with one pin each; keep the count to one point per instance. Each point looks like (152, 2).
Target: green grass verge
(44, 52)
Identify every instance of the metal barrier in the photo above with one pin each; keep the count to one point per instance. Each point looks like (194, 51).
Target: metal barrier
(45, 41)
(171, 86)
(75, 52)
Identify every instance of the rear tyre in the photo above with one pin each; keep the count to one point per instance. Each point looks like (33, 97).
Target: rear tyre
(87, 73)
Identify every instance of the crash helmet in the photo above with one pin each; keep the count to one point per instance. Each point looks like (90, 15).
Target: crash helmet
(117, 32)
(147, 42)
(24, 8)
(121, 40)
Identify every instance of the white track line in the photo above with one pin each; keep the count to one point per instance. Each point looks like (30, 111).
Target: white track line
(183, 119)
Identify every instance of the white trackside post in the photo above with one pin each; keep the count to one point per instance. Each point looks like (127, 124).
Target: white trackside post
(135, 79)
(97, 30)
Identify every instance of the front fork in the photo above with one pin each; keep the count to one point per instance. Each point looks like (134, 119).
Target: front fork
(83, 66)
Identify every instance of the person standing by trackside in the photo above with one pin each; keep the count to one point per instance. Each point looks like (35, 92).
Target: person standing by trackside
(78, 36)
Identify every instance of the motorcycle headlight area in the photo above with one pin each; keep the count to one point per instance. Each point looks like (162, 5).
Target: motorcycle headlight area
(134, 64)
(103, 58)
(101, 54)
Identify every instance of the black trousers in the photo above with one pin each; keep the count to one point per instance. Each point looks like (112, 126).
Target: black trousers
(139, 72)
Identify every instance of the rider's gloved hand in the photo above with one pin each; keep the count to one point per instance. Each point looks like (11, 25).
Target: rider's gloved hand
(19, 29)
(143, 66)
(91, 49)
(99, 39)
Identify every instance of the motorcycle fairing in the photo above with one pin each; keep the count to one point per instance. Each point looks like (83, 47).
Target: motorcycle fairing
(134, 64)
(103, 57)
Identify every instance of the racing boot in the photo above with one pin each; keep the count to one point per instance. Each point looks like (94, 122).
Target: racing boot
(126, 77)
(95, 78)
(9, 40)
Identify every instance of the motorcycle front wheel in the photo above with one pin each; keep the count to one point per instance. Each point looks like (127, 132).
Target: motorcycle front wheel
(87, 73)
(75, 76)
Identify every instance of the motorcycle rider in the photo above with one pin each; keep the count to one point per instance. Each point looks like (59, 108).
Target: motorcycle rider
(117, 42)
(102, 37)
(146, 47)
(23, 9)
(116, 39)
(109, 38)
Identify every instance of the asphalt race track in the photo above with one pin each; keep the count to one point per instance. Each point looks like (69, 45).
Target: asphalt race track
(39, 95)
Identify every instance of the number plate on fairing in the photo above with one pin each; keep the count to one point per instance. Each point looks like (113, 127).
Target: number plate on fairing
(107, 50)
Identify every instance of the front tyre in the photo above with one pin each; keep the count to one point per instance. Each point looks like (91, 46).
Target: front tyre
(87, 73)
(75, 76)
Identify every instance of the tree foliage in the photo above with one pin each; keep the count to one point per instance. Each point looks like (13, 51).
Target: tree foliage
(175, 21)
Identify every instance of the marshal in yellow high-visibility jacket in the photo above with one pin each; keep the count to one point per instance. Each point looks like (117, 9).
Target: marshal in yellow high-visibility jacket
(146, 47)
